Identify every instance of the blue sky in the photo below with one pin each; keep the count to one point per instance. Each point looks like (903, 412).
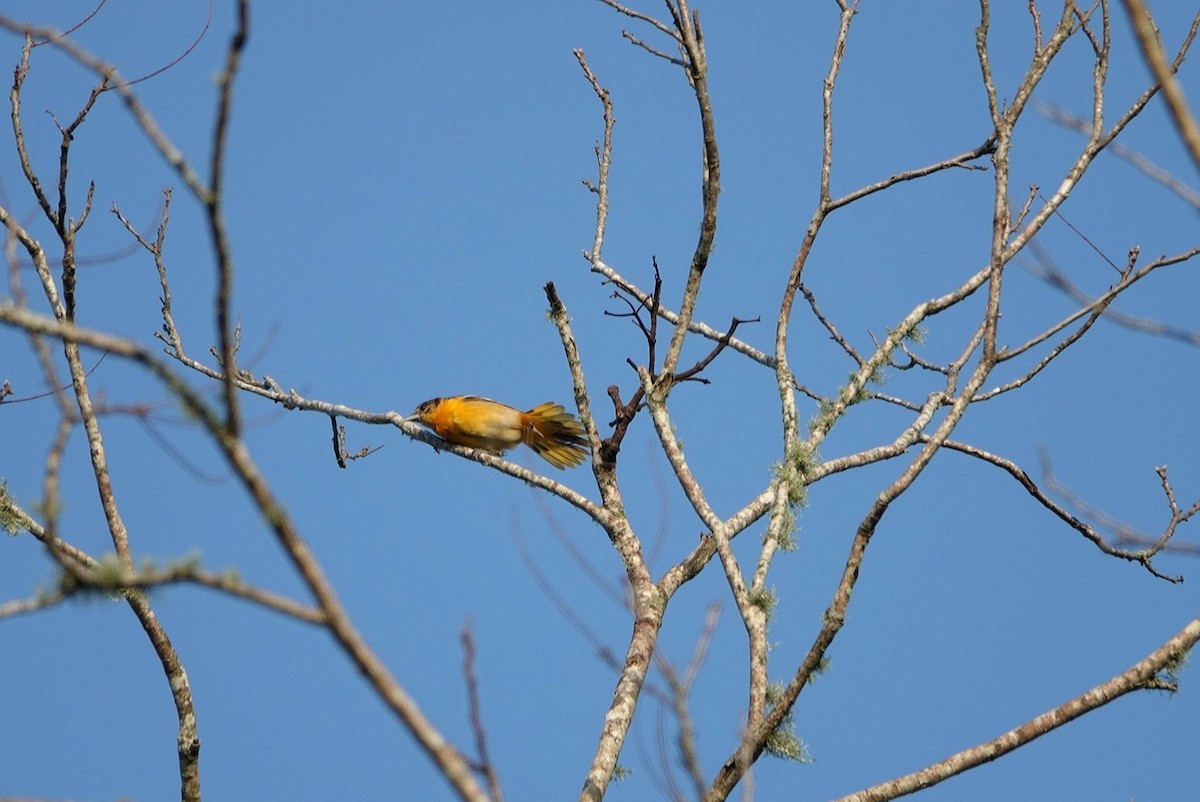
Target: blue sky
(402, 182)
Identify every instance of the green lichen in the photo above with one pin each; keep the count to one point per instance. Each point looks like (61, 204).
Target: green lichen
(9, 519)
(783, 742)
(763, 598)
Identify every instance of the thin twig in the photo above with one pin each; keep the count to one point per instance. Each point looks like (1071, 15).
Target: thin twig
(483, 764)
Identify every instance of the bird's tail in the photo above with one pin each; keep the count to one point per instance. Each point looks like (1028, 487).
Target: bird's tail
(555, 435)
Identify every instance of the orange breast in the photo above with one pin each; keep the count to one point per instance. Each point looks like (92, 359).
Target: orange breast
(477, 422)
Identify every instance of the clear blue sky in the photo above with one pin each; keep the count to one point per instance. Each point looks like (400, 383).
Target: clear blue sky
(403, 179)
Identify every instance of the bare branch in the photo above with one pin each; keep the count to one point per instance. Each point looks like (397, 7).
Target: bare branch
(603, 158)
(1164, 72)
(1049, 272)
(450, 762)
(1155, 672)
(637, 15)
(691, 37)
(633, 40)
(960, 161)
(1152, 170)
(214, 201)
(829, 327)
(672, 317)
(1142, 556)
(484, 763)
(834, 618)
(680, 688)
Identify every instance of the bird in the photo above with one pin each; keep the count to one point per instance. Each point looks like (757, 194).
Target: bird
(554, 434)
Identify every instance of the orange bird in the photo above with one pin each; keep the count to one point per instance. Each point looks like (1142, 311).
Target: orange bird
(469, 420)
